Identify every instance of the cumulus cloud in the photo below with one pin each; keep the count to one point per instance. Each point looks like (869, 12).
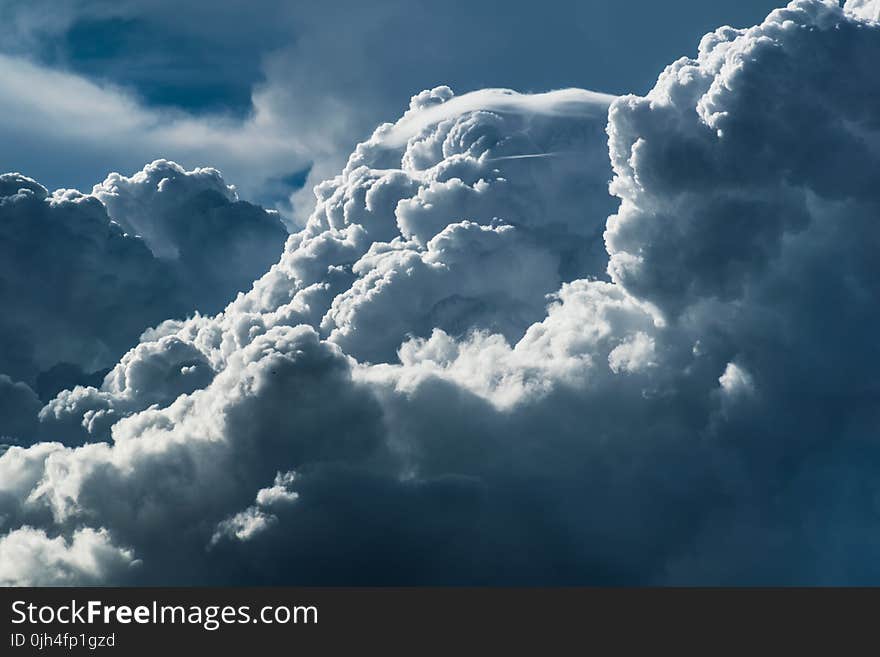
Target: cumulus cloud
(28, 557)
(217, 243)
(76, 286)
(446, 379)
(869, 9)
(438, 233)
(256, 519)
(80, 285)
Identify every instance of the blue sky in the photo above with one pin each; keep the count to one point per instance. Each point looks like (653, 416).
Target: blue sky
(615, 47)
(325, 72)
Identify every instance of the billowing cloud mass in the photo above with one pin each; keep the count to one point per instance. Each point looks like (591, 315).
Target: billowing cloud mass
(216, 243)
(82, 276)
(459, 372)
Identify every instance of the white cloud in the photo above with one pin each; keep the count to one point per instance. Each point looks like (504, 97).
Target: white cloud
(431, 108)
(736, 381)
(633, 354)
(592, 442)
(869, 9)
(28, 557)
(255, 520)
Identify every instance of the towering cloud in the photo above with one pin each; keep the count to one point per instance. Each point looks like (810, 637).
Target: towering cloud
(467, 220)
(446, 379)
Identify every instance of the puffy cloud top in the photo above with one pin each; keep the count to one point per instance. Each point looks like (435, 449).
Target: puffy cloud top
(145, 203)
(869, 9)
(193, 219)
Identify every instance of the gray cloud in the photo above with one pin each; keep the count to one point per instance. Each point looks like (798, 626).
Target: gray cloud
(389, 403)
(68, 273)
(19, 406)
(216, 243)
(79, 289)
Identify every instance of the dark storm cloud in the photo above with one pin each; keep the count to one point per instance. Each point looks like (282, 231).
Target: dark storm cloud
(78, 289)
(704, 413)
(19, 406)
(217, 243)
